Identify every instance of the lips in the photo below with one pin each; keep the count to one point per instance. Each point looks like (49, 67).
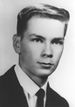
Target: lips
(45, 65)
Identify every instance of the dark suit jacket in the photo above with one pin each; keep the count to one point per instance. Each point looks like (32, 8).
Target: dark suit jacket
(12, 95)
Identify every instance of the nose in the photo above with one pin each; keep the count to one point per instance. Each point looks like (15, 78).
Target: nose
(47, 51)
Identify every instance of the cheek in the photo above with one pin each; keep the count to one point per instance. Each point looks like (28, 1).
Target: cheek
(57, 53)
(25, 53)
(35, 50)
(30, 53)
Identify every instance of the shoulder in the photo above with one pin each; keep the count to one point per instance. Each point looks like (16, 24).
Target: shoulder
(56, 99)
(6, 77)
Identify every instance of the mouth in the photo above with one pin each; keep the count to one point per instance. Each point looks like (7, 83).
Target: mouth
(45, 65)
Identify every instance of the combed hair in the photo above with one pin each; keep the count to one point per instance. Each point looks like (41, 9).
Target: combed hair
(45, 10)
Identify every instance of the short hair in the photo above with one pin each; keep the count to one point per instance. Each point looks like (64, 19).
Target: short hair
(46, 11)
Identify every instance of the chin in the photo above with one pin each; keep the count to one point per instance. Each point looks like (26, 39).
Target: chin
(45, 72)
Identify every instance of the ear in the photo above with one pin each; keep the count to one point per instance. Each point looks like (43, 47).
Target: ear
(16, 43)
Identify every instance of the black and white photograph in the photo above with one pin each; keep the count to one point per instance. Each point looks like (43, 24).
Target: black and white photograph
(37, 53)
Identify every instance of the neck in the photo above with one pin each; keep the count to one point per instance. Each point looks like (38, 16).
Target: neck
(39, 80)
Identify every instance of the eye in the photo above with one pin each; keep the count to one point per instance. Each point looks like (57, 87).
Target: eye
(57, 41)
(37, 40)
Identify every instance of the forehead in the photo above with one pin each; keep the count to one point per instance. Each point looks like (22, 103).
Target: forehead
(45, 27)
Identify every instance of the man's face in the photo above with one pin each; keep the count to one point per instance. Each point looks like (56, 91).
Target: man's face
(41, 46)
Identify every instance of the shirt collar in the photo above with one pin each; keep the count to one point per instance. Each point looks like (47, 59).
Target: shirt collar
(27, 84)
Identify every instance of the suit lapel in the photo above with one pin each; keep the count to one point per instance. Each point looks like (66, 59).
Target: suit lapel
(48, 94)
(16, 93)
(54, 99)
(51, 98)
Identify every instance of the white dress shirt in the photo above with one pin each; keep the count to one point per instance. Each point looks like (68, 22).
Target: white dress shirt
(30, 87)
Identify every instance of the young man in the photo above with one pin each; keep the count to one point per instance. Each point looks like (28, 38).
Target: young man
(39, 43)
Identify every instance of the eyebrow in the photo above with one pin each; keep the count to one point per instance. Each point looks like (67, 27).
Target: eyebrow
(59, 38)
(36, 35)
(39, 36)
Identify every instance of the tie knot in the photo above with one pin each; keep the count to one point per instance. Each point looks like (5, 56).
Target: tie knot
(40, 93)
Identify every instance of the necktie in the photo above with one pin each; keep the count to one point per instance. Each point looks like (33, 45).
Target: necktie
(40, 98)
